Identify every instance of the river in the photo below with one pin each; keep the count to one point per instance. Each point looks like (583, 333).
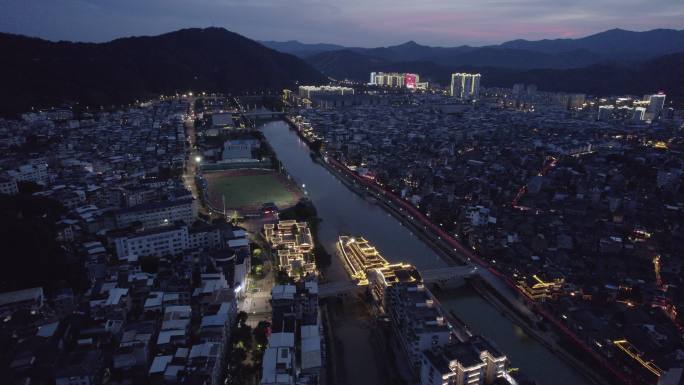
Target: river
(342, 211)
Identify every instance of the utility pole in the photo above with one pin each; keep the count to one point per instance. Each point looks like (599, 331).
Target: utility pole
(224, 206)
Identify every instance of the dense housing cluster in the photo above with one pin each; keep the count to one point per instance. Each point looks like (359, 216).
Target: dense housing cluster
(151, 293)
(578, 200)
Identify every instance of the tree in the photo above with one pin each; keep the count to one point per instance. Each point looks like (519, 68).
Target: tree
(149, 264)
(258, 270)
(31, 254)
(282, 278)
(28, 188)
(242, 333)
(241, 318)
(261, 333)
(316, 146)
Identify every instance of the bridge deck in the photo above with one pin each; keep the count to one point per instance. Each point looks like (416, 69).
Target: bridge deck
(446, 273)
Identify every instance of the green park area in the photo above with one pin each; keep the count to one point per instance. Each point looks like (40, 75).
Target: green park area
(249, 191)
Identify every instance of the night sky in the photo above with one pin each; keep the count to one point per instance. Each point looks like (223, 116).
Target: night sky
(347, 22)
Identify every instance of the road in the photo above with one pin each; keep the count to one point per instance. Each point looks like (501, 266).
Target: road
(191, 164)
(256, 302)
(257, 298)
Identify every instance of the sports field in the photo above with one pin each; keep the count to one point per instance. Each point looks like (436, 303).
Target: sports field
(249, 189)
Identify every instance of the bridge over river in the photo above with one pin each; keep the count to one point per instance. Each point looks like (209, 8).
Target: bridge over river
(445, 276)
(262, 114)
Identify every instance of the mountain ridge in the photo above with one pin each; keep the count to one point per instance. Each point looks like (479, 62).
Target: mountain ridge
(604, 47)
(665, 73)
(654, 42)
(44, 73)
(614, 32)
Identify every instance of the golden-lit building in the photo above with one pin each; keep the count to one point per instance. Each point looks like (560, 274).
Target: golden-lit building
(539, 290)
(379, 279)
(630, 350)
(359, 256)
(296, 264)
(289, 234)
(294, 244)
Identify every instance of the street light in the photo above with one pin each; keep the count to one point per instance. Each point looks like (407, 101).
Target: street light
(198, 159)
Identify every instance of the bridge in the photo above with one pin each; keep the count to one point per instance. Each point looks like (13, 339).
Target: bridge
(446, 276)
(262, 114)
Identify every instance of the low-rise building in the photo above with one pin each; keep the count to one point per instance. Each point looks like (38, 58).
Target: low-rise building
(156, 214)
(417, 320)
(467, 363)
(27, 299)
(538, 289)
(8, 186)
(36, 173)
(294, 244)
(239, 149)
(170, 240)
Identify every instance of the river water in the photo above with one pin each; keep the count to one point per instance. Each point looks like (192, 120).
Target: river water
(344, 212)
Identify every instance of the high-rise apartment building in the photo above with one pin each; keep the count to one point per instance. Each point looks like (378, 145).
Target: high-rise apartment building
(605, 112)
(518, 88)
(656, 103)
(639, 114)
(395, 79)
(465, 86)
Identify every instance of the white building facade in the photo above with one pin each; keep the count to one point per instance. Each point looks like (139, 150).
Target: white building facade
(465, 86)
(158, 213)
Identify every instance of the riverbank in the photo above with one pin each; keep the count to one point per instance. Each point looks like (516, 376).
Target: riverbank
(484, 289)
(517, 312)
(489, 293)
(355, 344)
(548, 339)
(447, 254)
(344, 211)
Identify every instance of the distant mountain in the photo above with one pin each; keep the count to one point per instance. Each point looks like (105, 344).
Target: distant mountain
(346, 64)
(665, 73)
(611, 47)
(472, 56)
(411, 51)
(300, 49)
(518, 59)
(620, 42)
(614, 61)
(35, 72)
(357, 64)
